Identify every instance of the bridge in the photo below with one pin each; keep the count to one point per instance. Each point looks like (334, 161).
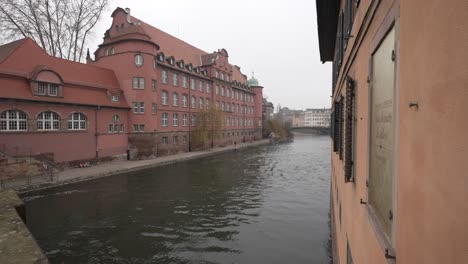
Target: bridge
(311, 130)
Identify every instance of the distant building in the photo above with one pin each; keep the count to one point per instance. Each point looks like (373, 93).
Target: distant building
(268, 109)
(317, 117)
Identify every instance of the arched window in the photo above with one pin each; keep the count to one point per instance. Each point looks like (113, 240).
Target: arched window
(184, 119)
(201, 103)
(48, 120)
(13, 120)
(77, 121)
(175, 99)
(138, 60)
(175, 119)
(164, 119)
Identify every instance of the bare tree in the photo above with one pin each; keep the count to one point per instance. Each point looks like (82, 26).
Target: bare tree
(60, 27)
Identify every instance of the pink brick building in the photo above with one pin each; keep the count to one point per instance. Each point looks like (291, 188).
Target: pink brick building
(140, 94)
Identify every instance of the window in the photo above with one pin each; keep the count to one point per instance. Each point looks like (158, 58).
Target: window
(164, 76)
(175, 79)
(161, 57)
(138, 107)
(138, 60)
(222, 76)
(201, 102)
(184, 81)
(116, 118)
(227, 78)
(13, 120)
(208, 88)
(194, 102)
(207, 103)
(228, 121)
(175, 140)
(138, 128)
(106, 52)
(115, 98)
(164, 98)
(138, 83)
(164, 119)
(155, 63)
(77, 121)
(192, 84)
(228, 105)
(164, 140)
(184, 139)
(50, 89)
(175, 119)
(112, 51)
(217, 74)
(42, 88)
(154, 108)
(184, 100)
(184, 119)
(217, 89)
(153, 85)
(222, 106)
(217, 104)
(193, 120)
(48, 120)
(53, 89)
(227, 92)
(175, 99)
(200, 86)
(222, 91)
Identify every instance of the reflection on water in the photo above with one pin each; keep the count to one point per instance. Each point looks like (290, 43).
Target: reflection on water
(263, 205)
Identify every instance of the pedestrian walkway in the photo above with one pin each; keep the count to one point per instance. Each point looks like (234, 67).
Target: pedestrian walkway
(116, 167)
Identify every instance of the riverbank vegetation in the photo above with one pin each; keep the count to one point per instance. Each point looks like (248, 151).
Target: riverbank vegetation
(277, 129)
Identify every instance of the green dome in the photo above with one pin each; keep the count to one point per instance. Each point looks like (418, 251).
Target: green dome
(253, 81)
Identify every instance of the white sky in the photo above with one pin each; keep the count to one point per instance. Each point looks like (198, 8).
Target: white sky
(277, 39)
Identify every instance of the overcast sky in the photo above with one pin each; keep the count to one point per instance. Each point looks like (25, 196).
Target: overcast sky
(277, 39)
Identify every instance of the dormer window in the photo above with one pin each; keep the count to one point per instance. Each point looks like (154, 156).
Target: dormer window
(197, 70)
(190, 67)
(50, 89)
(161, 57)
(181, 64)
(115, 98)
(112, 51)
(139, 60)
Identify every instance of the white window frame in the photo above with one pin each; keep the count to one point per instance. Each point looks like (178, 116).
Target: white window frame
(77, 121)
(139, 60)
(48, 121)
(175, 119)
(13, 120)
(175, 99)
(164, 119)
(184, 119)
(164, 98)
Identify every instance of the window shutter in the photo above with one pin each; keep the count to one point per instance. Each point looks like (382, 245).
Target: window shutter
(336, 126)
(340, 128)
(349, 120)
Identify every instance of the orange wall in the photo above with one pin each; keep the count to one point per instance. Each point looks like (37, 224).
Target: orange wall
(433, 147)
(432, 173)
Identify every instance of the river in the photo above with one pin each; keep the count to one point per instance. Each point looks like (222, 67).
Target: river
(267, 204)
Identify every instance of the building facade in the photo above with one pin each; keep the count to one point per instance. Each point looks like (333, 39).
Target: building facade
(63, 109)
(399, 126)
(138, 97)
(317, 117)
(168, 81)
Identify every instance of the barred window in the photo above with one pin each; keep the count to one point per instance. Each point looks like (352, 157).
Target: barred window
(77, 121)
(48, 120)
(13, 120)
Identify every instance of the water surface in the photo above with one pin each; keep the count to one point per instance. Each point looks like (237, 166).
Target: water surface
(261, 205)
